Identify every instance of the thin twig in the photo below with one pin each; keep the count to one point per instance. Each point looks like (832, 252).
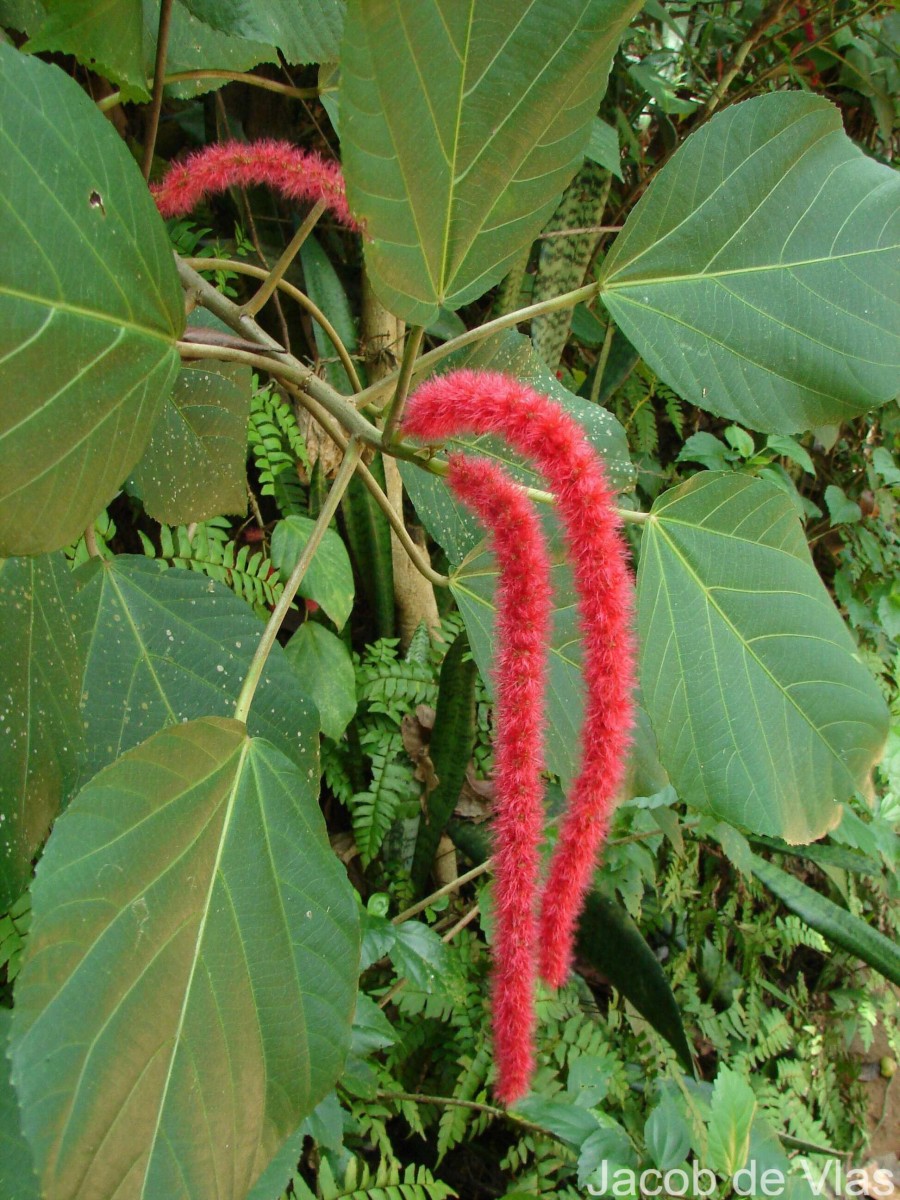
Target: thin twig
(286, 599)
(159, 80)
(228, 264)
(446, 890)
(398, 403)
(558, 233)
(276, 273)
(90, 541)
(269, 85)
(475, 1105)
(597, 381)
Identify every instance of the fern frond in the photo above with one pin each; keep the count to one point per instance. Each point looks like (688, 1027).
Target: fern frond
(374, 810)
(277, 446)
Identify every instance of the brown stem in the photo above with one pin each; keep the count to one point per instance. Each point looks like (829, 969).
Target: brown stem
(159, 82)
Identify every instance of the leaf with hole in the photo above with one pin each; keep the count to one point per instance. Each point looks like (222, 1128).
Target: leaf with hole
(764, 712)
(454, 171)
(190, 979)
(90, 309)
(757, 275)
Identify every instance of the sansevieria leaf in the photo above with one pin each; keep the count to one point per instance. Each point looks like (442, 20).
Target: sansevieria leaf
(758, 275)
(90, 308)
(189, 984)
(461, 123)
(764, 713)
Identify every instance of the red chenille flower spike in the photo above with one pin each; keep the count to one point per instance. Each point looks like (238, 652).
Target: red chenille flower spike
(296, 174)
(523, 636)
(537, 427)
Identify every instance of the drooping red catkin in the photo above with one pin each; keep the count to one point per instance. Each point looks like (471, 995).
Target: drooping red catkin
(534, 425)
(523, 636)
(296, 174)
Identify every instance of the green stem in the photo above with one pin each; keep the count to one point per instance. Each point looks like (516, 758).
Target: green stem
(274, 276)
(398, 403)
(453, 886)
(384, 387)
(269, 85)
(476, 1106)
(267, 641)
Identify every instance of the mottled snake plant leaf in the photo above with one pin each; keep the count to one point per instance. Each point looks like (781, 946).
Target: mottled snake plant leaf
(90, 309)
(764, 713)
(758, 275)
(461, 123)
(189, 985)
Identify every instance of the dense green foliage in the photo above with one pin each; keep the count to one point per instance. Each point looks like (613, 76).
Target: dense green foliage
(245, 900)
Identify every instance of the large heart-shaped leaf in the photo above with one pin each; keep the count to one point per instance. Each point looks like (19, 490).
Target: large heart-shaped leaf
(90, 308)
(764, 713)
(307, 34)
(461, 123)
(105, 35)
(40, 727)
(188, 988)
(757, 276)
(17, 1178)
(195, 465)
(167, 646)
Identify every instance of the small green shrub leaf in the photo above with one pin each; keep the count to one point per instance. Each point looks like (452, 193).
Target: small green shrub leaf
(90, 308)
(763, 710)
(756, 276)
(195, 465)
(105, 36)
(732, 1108)
(189, 984)
(40, 728)
(455, 169)
(325, 670)
(329, 579)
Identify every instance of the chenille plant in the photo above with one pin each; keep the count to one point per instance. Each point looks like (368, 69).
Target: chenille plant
(267, 877)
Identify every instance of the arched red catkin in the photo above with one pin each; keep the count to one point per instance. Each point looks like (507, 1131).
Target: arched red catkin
(523, 636)
(296, 174)
(534, 425)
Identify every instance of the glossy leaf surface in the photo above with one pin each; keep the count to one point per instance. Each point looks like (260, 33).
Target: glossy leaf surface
(188, 907)
(40, 727)
(195, 465)
(455, 170)
(758, 275)
(90, 307)
(763, 710)
(164, 647)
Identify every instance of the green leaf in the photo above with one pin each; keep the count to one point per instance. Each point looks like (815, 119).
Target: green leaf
(162, 647)
(565, 1120)
(329, 579)
(104, 35)
(195, 465)
(40, 727)
(603, 147)
(90, 308)
(755, 275)
(306, 35)
(190, 977)
(324, 666)
(17, 1178)
(196, 46)
(732, 1110)
(841, 510)
(667, 1134)
(834, 923)
(461, 123)
(609, 1144)
(764, 713)
(610, 941)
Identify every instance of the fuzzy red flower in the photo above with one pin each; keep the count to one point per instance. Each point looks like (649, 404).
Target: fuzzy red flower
(299, 175)
(537, 427)
(523, 635)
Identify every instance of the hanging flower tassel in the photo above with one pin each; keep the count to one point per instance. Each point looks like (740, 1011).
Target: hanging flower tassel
(523, 636)
(298, 175)
(488, 403)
